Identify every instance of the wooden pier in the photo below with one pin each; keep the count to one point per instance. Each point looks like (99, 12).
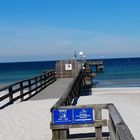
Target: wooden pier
(68, 90)
(54, 90)
(99, 65)
(118, 130)
(26, 89)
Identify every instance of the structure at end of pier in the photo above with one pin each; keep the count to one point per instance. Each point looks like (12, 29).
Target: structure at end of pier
(99, 65)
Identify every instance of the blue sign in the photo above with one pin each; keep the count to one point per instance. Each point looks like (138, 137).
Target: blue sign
(63, 116)
(83, 115)
(73, 116)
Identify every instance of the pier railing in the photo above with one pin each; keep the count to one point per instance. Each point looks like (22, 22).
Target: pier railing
(99, 65)
(117, 129)
(23, 90)
(66, 114)
(72, 92)
(70, 97)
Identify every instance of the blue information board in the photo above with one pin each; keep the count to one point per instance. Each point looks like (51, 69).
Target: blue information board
(73, 116)
(63, 116)
(83, 115)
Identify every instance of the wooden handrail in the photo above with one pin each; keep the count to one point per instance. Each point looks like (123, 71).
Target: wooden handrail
(72, 92)
(118, 130)
(25, 89)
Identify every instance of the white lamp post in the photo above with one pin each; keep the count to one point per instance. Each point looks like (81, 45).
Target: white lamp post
(84, 57)
(81, 53)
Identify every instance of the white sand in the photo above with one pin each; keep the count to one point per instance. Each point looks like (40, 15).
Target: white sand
(30, 120)
(126, 100)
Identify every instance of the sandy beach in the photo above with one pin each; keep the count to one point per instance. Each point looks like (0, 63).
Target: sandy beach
(30, 120)
(126, 100)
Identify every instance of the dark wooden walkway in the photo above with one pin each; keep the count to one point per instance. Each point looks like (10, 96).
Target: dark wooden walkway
(55, 90)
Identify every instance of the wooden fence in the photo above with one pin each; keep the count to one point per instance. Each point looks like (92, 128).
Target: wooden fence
(117, 127)
(25, 89)
(73, 91)
(118, 130)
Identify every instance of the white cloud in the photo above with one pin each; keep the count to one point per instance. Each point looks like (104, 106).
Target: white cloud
(43, 42)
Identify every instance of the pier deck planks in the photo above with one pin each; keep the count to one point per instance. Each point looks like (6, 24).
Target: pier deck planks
(55, 90)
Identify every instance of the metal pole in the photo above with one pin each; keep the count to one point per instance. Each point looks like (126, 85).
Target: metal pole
(61, 68)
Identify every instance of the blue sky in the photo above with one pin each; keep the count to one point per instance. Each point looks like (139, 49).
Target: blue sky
(33, 30)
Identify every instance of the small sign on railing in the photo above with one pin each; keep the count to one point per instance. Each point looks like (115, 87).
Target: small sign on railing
(68, 66)
(83, 115)
(73, 116)
(62, 116)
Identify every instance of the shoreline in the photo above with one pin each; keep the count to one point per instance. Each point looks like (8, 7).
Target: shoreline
(95, 85)
(3, 85)
(120, 83)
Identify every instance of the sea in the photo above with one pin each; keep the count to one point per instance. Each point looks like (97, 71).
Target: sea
(120, 72)
(12, 72)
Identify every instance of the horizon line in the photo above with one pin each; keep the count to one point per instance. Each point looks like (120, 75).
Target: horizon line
(102, 58)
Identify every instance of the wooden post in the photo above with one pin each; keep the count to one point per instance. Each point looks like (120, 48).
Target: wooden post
(61, 134)
(11, 95)
(112, 129)
(36, 84)
(61, 69)
(98, 130)
(29, 82)
(64, 133)
(55, 135)
(40, 83)
(21, 91)
(43, 80)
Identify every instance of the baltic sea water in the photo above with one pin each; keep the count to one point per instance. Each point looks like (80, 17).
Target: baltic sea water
(16, 71)
(122, 72)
